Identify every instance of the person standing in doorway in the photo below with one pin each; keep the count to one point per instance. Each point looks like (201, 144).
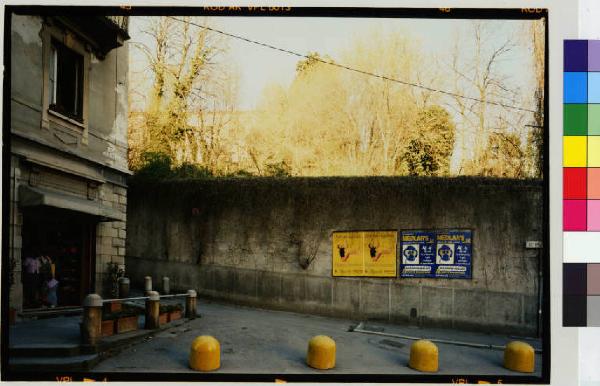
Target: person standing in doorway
(45, 276)
(52, 286)
(31, 279)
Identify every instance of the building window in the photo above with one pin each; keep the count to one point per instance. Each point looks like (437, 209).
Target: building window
(65, 91)
(66, 81)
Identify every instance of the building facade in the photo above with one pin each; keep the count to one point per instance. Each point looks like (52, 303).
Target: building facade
(68, 169)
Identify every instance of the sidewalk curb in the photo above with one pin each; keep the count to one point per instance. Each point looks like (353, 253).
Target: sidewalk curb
(111, 346)
(79, 357)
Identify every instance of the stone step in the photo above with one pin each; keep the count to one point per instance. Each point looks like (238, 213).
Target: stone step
(42, 313)
(31, 350)
(70, 363)
(74, 357)
(49, 350)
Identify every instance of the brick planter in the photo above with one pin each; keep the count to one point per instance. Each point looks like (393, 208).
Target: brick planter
(112, 307)
(126, 324)
(174, 315)
(163, 318)
(108, 327)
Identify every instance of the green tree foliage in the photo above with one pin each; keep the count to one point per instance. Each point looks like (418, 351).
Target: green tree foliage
(502, 157)
(278, 169)
(159, 166)
(419, 159)
(430, 148)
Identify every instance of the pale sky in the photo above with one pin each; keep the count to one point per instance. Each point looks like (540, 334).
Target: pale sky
(328, 36)
(258, 66)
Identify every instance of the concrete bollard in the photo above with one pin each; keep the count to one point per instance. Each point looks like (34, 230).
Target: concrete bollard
(321, 352)
(152, 310)
(205, 354)
(424, 356)
(147, 284)
(190, 304)
(519, 356)
(123, 287)
(165, 285)
(91, 326)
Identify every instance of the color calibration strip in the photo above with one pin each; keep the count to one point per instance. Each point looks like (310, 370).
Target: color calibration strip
(581, 151)
(581, 183)
(581, 295)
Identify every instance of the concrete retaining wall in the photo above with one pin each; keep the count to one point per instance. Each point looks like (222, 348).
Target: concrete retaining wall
(243, 240)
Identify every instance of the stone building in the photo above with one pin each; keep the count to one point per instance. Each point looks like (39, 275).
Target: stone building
(68, 145)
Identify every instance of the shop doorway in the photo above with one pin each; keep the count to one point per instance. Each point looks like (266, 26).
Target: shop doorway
(58, 257)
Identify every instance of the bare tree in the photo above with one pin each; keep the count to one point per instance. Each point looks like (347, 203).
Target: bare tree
(536, 33)
(480, 75)
(190, 97)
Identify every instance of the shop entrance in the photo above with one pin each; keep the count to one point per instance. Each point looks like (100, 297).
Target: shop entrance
(58, 257)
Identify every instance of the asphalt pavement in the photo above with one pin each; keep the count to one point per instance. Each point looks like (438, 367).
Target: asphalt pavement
(257, 341)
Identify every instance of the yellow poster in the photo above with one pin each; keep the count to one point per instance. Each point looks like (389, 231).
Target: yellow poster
(348, 254)
(364, 253)
(380, 253)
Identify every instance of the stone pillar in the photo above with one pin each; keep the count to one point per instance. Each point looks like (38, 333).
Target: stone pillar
(147, 285)
(165, 285)
(152, 310)
(92, 319)
(123, 287)
(190, 304)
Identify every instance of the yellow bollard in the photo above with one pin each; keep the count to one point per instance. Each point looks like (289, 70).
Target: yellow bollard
(205, 354)
(321, 352)
(519, 356)
(424, 356)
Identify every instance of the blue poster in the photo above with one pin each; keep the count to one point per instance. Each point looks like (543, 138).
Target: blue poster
(418, 254)
(436, 254)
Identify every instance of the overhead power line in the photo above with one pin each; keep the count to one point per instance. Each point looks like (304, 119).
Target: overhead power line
(331, 63)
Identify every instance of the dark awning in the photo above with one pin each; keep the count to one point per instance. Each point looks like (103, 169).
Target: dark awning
(31, 197)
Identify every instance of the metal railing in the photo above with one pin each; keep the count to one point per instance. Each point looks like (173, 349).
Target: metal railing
(93, 310)
(143, 298)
